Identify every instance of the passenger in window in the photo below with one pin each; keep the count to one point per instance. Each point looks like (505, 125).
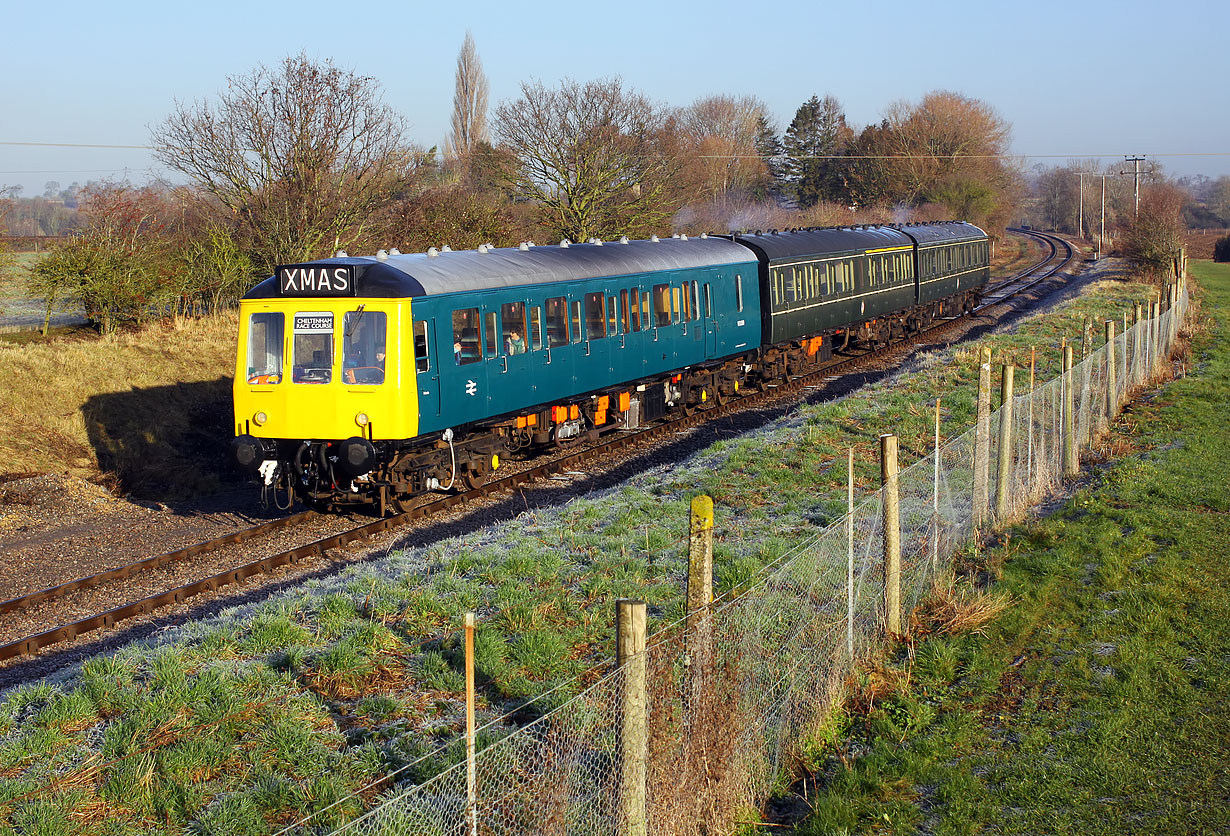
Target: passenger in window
(514, 343)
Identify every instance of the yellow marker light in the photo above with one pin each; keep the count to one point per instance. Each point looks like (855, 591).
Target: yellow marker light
(260, 418)
(495, 462)
(362, 420)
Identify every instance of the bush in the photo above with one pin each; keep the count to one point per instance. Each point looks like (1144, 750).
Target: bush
(1221, 249)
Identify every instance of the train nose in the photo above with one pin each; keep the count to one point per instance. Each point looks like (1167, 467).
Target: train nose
(248, 453)
(356, 456)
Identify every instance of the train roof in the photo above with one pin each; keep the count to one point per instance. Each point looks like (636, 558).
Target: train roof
(802, 243)
(439, 272)
(806, 243)
(943, 232)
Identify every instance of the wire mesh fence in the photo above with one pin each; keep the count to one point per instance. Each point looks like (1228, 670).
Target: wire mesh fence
(728, 698)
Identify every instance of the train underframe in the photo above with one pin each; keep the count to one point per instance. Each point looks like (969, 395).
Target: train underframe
(382, 475)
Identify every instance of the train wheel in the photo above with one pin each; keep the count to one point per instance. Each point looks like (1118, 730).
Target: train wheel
(474, 479)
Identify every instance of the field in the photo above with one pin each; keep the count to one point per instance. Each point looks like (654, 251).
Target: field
(20, 311)
(311, 695)
(1096, 703)
(145, 412)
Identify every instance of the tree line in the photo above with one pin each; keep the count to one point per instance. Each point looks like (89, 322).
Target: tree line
(299, 160)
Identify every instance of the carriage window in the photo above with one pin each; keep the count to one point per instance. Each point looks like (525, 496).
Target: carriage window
(313, 357)
(738, 292)
(465, 337)
(623, 309)
(363, 344)
(676, 303)
(645, 320)
(576, 321)
(612, 316)
(557, 321)
(634, 298)
(512, 316)
(265, 348)
(489, 333)
(685, 307)
(708, 303)
(535, 328)
(422, 356)
(695, 303)
(661, 305)
(595, 318)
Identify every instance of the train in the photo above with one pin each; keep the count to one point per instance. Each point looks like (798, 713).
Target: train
(367, 381)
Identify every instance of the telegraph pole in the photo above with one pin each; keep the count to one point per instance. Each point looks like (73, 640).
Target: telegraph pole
(1136, 161)
(1080, 213)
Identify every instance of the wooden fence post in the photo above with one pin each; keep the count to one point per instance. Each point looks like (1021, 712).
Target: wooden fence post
(850, 556)
(634, 727)
(700, 559)
(1070, 464)
(982, 441)
(1112, 380)
(892, 534)
(698, 637)
(1004, 472)
(471, 764)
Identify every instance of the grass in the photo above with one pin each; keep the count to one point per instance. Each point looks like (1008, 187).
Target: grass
(1096, 702)
(146, 411)
(334, 685)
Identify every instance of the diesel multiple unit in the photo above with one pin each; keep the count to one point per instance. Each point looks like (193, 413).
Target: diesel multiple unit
(371, 380)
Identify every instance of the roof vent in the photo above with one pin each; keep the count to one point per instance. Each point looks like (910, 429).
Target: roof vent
(704, 235)
(565, 244)
(341, 254)
(623, 239)
(382, 255)
(653, 238)
(395, 251)
(676, 235)
(482, 248)
(446, 249)
(432, 252)
(532, 244)
(523, 246)
(682, 237)
(597, 241)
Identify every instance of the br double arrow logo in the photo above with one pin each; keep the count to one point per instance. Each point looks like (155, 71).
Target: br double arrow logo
(471, 387)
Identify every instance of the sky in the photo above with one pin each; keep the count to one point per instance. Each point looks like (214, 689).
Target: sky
(1074, 79)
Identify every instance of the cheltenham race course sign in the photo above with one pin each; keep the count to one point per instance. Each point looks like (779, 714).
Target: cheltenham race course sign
(316, 280)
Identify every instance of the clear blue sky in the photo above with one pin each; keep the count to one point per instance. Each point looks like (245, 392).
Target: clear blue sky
(1073, 78)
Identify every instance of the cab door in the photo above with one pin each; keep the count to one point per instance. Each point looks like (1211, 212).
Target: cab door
(427, 358)
(463, 378)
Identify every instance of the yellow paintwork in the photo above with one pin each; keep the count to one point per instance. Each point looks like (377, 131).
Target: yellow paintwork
(303, 411)
(890, 249)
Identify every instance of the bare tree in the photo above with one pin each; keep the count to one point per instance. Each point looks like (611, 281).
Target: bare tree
(720, 134)
(469, 102)
(951, 150)
(300, 155)
(596, 158)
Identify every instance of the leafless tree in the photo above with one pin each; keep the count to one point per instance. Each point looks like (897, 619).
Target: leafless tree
(300, 155)
(719, 134)
(469, 102)
(597, 158)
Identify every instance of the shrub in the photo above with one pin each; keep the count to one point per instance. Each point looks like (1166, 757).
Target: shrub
(1221, 249)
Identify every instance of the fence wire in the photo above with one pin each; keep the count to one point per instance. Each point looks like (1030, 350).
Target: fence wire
(729, 700)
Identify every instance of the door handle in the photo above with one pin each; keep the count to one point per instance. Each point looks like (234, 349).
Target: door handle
(587, 348)
(548, 357)
(505, 359)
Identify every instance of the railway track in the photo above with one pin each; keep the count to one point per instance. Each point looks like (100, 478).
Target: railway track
(1059, 255)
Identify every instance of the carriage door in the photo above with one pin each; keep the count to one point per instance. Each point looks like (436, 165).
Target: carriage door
(706, 308)
(509, 375)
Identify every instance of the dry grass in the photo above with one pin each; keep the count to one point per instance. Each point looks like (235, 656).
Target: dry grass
(956, 608)
(140, 409)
